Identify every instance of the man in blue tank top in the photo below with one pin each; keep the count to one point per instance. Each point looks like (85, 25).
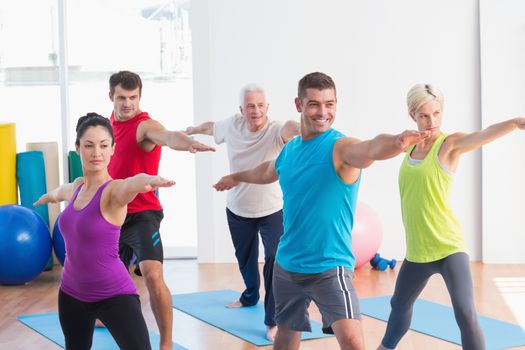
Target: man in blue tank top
(319, 173)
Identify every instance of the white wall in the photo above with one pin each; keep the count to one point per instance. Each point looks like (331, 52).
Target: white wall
(375, 51)
(503, 96)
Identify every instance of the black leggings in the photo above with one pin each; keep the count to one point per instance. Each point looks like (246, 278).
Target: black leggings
(413, 277)
(121, 315)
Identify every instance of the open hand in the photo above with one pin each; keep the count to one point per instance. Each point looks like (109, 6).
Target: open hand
(200, 147)
(44, 199)
(520, 122)
(225, 183)
(411, 137)
(190, 130)
(158, 182)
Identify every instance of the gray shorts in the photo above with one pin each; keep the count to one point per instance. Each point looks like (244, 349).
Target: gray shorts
(332, 291)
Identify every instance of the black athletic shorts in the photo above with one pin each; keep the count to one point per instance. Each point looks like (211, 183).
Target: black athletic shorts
(140, 235)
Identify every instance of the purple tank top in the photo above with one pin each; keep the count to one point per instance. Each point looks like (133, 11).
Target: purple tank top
(92, 270)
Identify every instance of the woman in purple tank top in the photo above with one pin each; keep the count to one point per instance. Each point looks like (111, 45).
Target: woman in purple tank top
(95, 283)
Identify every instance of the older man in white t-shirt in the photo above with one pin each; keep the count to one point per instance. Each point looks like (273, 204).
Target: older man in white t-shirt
(252, 139)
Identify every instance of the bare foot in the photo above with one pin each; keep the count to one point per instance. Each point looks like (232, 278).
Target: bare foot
(99, 324)
(234, 305)
(271, 332)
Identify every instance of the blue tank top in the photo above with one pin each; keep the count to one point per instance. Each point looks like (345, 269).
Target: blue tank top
(92, 270)
(318, 207)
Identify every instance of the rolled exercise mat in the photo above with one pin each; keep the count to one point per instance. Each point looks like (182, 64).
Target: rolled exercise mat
(50, 150)
(8, 190)
(75, 166)
(31, 177)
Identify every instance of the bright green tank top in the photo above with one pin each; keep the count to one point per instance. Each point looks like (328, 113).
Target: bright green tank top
(432, 230)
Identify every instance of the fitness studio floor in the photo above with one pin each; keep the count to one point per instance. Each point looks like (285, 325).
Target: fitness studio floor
(499, 292)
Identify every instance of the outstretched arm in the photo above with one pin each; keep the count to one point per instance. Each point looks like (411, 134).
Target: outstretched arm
(460, 143)
(125, 190)
(204, 129)
(361, 154)
(289, 130)
(265, 173)
(61, 193)
(177, 140)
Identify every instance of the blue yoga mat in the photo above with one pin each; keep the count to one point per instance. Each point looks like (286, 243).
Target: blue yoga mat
(245, 322)
(438, 321)
(49, 326)
(31, 178)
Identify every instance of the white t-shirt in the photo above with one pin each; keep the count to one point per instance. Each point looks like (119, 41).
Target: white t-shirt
(246, 150)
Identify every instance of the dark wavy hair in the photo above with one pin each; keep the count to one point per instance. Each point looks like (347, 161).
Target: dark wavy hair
(127, 80)
(90, 120)
(315, 80)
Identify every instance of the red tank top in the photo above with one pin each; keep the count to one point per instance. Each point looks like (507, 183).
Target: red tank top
(130, 159)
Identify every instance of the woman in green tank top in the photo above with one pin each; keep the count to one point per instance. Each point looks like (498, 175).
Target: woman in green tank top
(434, 239)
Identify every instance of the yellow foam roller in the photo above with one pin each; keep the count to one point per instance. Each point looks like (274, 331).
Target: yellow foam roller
(8, 190)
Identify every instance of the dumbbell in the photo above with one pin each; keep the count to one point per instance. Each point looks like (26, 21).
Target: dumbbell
(380, 263)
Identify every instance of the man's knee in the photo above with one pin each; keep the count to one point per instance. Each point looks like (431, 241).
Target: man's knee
(349, 334)
(286, 338)
(354, 342)
(152, 272)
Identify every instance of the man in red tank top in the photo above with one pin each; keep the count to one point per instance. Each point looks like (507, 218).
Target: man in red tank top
(139, 140)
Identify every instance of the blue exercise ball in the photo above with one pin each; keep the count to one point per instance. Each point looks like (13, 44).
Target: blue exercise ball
(25, 244)
(58, 243)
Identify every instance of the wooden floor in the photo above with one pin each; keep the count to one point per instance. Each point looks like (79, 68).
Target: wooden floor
(499, 293)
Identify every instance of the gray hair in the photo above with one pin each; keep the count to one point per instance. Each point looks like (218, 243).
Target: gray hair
(421, 94)
(252, 87)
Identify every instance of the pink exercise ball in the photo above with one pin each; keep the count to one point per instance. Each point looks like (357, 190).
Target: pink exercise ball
(367, 234)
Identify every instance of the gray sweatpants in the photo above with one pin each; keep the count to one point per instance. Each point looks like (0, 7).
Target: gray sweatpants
(413, 277)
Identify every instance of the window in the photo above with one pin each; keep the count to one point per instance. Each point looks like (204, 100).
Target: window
(151, 38)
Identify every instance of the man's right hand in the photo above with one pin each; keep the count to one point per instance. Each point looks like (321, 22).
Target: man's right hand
(226, 183)
(190, 130)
